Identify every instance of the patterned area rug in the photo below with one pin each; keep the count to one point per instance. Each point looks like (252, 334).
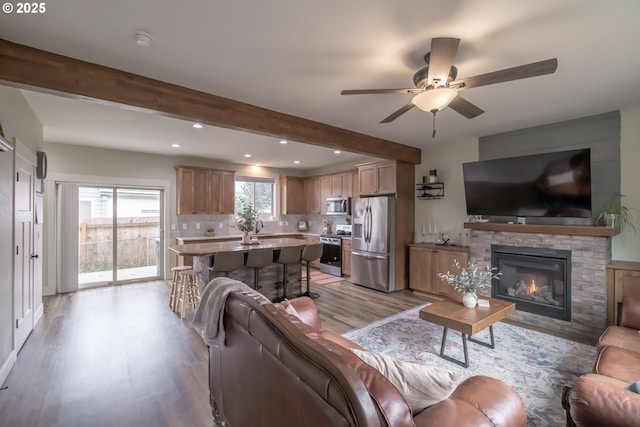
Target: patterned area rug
(535, 365)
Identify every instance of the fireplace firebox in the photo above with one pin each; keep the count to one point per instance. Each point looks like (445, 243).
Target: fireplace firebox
(538, 280)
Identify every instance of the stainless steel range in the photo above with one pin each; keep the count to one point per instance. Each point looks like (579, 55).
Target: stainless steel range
(331, 259)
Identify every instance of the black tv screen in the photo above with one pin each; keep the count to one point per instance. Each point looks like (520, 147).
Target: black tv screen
(542, 185)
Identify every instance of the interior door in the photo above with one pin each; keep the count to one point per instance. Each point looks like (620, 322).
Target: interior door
(23, 234)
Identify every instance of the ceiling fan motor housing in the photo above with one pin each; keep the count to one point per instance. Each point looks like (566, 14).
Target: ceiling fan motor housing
(420, 78)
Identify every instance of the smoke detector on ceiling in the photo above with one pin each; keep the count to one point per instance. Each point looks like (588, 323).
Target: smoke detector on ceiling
(143, 39)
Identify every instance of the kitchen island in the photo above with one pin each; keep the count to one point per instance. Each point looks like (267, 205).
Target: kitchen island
(270, 277)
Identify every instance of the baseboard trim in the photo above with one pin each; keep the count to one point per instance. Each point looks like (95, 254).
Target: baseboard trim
(7, 366)
(38, 315)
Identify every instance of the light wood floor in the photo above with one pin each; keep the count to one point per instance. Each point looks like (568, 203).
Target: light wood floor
(118, 356)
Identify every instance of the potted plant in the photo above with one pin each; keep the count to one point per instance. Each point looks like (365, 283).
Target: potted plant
(616, 215)
(246, 219)
(470, 280)
(210, 232)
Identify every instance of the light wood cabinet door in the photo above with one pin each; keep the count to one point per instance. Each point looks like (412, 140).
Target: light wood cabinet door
(355, 188)
(185, 183)
(201, 192)
(386, 178)
(336, 185)
(312, 195)
(325, 192)
(623, 278)
(346, 257)
(214, 198)
(420, 269)
(346, 180)
(367, 180)
(292, 195)
(228, 193)
(444, 261)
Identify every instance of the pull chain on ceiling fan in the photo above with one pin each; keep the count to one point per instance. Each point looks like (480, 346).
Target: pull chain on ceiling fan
(437, 87)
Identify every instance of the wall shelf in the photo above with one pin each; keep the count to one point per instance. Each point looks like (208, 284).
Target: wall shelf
(430, 191)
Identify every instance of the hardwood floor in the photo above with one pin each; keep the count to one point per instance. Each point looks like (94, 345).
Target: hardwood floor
(118, 356)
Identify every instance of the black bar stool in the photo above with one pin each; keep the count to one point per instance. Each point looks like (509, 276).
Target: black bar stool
(257, 259)
(227, 262)
(288, 255)
(311, 253)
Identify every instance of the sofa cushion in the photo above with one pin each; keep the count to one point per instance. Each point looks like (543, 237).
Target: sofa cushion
(421, 385)
(618, 336)
(618, 363)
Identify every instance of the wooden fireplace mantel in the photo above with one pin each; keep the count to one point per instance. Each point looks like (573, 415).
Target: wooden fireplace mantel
(571, 230)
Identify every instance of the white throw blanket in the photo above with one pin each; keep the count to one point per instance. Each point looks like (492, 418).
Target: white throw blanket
(208, 320)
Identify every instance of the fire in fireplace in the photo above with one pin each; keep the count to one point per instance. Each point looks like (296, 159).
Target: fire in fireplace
(538, 280)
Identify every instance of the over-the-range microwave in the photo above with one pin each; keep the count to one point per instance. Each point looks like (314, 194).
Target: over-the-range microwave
(339, 206)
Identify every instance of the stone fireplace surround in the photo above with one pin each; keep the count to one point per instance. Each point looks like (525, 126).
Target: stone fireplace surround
(590, 255)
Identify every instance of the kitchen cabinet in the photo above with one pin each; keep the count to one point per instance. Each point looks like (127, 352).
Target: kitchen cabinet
(204, 191)
(426, 261)
(623, 278)
(325, 191)
(292, 200)
(377, 178)
(312, 196)
(342, 185)
(346, 257)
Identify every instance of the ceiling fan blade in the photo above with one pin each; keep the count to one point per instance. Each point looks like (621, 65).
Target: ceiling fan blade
(370, 91)
(400, 111)
(516, 73)
(443, 50)
(465, 108)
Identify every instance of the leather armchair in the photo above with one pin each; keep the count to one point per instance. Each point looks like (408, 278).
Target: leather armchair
(600, 398)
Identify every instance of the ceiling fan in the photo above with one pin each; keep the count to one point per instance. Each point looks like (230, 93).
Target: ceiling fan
(437, 87)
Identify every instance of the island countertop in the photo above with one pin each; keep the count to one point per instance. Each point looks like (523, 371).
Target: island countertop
(212, 248)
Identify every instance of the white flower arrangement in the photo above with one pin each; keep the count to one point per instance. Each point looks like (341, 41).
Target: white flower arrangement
(247, 217)
(471, 279)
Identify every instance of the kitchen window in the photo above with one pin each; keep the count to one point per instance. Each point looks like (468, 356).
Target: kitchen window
(260, 192)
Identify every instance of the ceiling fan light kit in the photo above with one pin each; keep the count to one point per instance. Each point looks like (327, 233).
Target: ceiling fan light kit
(435, 99)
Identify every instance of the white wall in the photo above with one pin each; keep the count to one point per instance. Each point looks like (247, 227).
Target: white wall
(626, 247)
(446, 214)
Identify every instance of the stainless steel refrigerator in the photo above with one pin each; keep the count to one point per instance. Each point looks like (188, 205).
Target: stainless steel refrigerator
(373, 243)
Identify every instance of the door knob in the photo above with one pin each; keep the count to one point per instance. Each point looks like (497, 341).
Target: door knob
(35, 256)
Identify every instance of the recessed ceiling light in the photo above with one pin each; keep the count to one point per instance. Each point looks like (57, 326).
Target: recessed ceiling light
(175, 145)
(247, 155)
(282, 141)
(337, 152)
(197, 125)
(296, 161)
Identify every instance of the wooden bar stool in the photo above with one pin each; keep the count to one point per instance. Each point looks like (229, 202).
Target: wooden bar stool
(227, 262)
(311, 253)
(189, 293)
(288, 255)
(257, 259)
(175, 285)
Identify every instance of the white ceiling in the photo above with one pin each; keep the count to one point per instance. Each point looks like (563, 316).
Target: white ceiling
(296, 56)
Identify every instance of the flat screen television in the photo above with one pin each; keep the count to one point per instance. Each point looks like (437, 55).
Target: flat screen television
(543, 185)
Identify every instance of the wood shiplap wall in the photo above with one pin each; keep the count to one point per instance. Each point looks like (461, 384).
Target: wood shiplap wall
(600, 133)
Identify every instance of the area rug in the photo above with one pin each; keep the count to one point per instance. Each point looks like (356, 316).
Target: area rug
(534, 364)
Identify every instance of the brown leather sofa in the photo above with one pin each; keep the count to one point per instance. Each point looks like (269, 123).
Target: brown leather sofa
(600, 399)
(276, 369)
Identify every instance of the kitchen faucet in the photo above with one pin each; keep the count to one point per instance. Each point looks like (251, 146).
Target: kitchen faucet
(259, 225)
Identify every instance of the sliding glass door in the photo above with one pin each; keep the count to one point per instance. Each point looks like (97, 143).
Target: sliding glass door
(119, 248)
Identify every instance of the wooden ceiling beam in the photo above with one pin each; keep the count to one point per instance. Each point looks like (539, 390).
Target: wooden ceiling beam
(29, 68)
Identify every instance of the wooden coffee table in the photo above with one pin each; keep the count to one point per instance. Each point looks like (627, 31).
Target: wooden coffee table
(468, 321)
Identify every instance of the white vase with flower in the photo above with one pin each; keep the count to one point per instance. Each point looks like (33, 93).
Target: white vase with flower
(246, 220)
(470, 280)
